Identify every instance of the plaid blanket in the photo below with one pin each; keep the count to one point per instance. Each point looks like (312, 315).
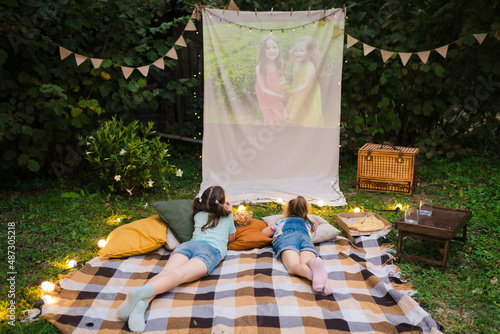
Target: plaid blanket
(249, 292)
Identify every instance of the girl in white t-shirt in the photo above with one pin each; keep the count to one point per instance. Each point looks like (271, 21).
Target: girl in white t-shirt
(192, 260)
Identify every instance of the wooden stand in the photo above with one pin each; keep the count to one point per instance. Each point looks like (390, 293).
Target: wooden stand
(442, 227)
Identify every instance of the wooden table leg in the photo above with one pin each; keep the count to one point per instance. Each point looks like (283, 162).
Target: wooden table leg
(400, 239)
(445, 255)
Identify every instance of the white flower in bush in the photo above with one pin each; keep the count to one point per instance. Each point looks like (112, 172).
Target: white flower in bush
(179, 173)
(118, 177)
(129, 191)
(122, 152)
(150, 183)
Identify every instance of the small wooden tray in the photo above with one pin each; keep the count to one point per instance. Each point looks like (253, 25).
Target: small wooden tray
(443, 223)
(343, 219)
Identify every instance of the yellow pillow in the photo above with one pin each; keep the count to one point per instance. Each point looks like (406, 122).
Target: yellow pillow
(138, 237)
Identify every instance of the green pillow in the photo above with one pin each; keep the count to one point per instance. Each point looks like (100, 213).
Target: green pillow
(178, 216)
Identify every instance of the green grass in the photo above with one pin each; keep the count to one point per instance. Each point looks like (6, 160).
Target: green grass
(58, 221)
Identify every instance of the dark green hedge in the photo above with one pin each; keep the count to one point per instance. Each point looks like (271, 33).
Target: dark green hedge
(446, 106)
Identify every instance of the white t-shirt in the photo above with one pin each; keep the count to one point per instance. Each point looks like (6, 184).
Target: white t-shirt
(217, 236)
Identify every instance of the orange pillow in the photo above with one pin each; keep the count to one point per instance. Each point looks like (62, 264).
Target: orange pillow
(250, 236)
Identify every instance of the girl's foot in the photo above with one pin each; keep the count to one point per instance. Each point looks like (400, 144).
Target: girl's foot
(133, 297)
(136, 321)
(318, 276)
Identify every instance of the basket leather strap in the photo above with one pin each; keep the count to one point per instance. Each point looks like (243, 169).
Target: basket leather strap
(400, 155)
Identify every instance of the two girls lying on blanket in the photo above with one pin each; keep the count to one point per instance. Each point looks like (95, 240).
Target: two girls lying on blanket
(213, 230)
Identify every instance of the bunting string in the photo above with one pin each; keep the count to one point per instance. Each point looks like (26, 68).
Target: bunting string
(337, 31)
(323, 19)
(144, 70)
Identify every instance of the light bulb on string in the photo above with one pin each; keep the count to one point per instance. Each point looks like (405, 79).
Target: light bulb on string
(279, 202)
(47, 286)
(72, 263)
(44, 301)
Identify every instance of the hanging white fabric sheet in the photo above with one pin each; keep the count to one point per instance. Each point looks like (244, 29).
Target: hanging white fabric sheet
(272, 104)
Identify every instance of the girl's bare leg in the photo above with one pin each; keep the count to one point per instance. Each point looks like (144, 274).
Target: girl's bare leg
(297, 264)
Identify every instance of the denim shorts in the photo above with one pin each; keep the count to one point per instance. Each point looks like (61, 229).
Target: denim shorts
(294, 240)
(201, 250)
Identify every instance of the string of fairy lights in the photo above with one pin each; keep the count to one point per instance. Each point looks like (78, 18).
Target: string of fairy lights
(322, 19)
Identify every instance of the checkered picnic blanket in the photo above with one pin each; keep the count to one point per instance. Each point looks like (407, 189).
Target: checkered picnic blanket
(249, 292)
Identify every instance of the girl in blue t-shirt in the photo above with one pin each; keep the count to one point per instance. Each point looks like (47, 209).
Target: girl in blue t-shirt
(292, 244)
(194, 259)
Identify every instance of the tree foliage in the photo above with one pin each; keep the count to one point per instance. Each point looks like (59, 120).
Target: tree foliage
(45, 102)
(446, 106)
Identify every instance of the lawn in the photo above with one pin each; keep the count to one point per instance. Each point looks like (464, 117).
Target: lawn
(64, 219)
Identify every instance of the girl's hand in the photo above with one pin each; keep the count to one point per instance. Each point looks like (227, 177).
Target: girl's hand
(228, 206)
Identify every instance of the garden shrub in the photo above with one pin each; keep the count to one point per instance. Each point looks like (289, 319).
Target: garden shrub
(125, 160)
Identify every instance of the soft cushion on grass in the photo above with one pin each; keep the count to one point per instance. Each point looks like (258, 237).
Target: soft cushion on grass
(178, 217)
(250, 236)
(139, 237)
(324, 232)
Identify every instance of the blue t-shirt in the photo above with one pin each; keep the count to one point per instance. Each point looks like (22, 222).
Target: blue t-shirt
(217, 236)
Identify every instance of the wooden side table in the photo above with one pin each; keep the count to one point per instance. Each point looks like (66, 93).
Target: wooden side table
(442, 227)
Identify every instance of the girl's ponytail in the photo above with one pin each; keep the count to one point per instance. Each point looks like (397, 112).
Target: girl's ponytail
(212, 201)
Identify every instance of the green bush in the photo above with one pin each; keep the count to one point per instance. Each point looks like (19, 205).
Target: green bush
(46, 102)
(125, 160)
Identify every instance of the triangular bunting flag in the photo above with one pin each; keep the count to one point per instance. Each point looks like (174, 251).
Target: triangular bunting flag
(323, 21)
(181, 42)
(96, 62)
(442, 50)
(459, 42)
(127, 71)
(386, 55)
(367, 48)
(144, 70)
(79, 59)
(172, 54)
(336, 31)
(232, 6)
(405, 56)
(480, 37)
(196, 14)
(190, 26)
(351, 41)
(64, 53)
(160, 63)
(424, 55)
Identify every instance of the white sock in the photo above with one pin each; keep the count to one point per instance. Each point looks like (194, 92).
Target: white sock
(134, 296)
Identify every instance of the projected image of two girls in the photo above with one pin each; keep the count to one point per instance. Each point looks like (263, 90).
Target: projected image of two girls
(293, 103)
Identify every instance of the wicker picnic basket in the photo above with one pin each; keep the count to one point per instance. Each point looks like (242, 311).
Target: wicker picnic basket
(387, 168)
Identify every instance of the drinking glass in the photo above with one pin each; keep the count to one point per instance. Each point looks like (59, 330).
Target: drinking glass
(425, 207)
(411, 216)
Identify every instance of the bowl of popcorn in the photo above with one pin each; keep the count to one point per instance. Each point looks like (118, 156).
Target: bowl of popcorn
(242, 218)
